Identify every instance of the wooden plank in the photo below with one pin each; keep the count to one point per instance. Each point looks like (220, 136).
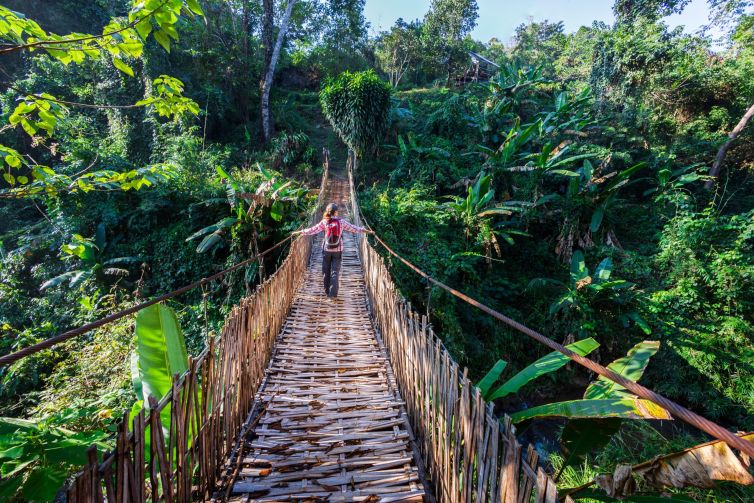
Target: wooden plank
(337, 431)
(361, 402)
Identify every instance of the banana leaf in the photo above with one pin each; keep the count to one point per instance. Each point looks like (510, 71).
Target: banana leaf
(209, 242)
(57, 280)
(222, 224)
(491, 377)
(161, 350)
(548, 363)
(627, 408)
(699, 466)
(578, 266)
(631, 366)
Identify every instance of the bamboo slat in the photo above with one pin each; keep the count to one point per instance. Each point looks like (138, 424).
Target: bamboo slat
(206, 406)
(469, 454)
(363, 405)
(333, 427)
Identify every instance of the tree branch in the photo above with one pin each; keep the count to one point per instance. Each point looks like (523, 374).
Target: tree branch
(44, 43)
(714, 171)
(63, 102)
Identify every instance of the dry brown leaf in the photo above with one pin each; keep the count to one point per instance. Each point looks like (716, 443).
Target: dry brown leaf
(618, 484)
(699, 466)
(583, 282)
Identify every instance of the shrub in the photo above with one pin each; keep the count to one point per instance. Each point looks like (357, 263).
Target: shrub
(357, 105)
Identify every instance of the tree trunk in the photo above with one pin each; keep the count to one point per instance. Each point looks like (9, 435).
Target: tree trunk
(718, 164)
(268, 26)
(244, 101)
(267, 125)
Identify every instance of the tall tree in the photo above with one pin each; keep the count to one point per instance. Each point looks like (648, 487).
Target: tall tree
(398, 49)
(628, 10)
(268, 31)
(267, 125)
(539, 44)
(445, 26)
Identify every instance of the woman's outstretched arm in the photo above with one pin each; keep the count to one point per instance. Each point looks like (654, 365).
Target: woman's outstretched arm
(312, 230)
(355, 229)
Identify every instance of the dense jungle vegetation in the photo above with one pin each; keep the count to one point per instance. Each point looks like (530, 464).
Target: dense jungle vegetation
(599, 187)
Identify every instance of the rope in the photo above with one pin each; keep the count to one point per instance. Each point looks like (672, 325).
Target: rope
(48, 343)
(675, 409)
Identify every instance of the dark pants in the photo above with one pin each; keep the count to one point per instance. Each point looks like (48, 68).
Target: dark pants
(331, 272)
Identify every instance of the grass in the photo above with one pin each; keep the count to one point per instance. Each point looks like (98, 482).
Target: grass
(639, 441)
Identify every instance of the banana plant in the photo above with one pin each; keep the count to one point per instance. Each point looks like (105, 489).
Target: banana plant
(514, 82)
(602, 399)
(512, 148)
(577, 298)
(503, 94)
(588, 205)
(409, 148)
(582, 287)
(160, 354)
(475, 210)
(545, 365)
(92, 263)
(273, 200)
(571, 114)
(667, 182)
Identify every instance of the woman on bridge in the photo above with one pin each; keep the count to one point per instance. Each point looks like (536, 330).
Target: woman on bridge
(332, 245)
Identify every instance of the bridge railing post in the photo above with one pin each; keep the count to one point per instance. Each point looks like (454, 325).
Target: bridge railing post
(207, 404)
(468, 452)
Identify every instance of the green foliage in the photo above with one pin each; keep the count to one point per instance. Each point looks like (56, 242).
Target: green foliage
(294, 153)
(629, 10)
(357, 106)
(585, 294)
(399, 49)
(273, 203)
(160, 352)
(121, 40)
(446, 25)
(593, 144)
(169, 100)
(475, 211)
(92, 262)
(37, 455)
(703, 311)
(549, 363)
(602, 399)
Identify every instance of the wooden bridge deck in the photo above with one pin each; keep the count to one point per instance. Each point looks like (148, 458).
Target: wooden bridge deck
(332, 427)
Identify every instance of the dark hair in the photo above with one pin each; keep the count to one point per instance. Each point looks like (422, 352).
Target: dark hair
(329, 210)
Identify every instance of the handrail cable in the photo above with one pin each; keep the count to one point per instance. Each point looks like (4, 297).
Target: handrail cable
(52, 341)
(677, 410)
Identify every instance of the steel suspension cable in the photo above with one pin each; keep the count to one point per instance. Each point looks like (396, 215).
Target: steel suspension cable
(48, 343)
(675, 409)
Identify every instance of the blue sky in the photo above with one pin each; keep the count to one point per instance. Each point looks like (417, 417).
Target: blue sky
(499, 18)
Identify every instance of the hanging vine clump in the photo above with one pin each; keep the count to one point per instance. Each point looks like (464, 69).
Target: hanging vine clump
(357, 106)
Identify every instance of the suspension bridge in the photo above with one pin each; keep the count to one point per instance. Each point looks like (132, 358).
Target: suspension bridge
(303, 398)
